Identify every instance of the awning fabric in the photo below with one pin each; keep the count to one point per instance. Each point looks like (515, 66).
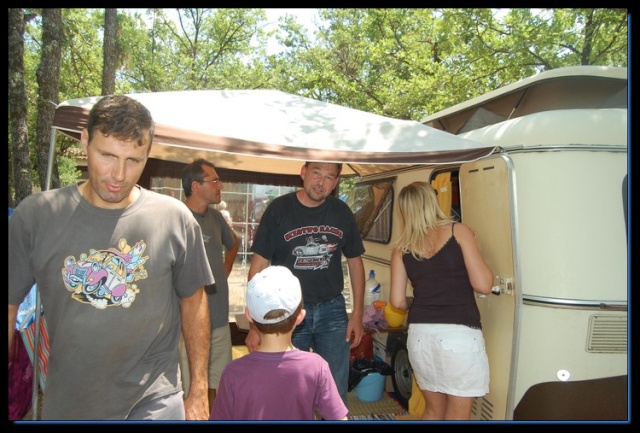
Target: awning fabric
(271, 131)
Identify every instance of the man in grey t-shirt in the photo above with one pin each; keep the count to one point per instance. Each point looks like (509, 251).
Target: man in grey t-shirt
(202, 187)
(121, 271)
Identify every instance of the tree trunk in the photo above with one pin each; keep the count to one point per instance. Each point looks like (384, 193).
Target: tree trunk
(110, 51)
(20, 162)
(48, 76)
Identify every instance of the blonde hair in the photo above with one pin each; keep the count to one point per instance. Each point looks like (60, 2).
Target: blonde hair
(420, 213)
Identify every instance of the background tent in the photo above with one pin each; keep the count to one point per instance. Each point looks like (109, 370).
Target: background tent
(271, 132)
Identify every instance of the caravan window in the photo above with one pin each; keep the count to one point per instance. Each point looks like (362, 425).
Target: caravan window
(372, 205)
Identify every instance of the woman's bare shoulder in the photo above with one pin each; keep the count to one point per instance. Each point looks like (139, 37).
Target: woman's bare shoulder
(463, 231)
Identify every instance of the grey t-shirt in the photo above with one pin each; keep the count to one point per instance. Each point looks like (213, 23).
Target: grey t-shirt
(216, 233)
(110, 281)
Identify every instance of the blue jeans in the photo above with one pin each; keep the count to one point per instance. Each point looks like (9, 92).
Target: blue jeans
(324, 330)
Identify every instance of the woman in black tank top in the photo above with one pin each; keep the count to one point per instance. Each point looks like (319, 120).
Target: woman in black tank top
(442, 260)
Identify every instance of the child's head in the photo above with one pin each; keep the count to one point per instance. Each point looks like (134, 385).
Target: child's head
(274, 300)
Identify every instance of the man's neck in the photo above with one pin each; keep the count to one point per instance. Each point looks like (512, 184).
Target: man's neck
(196, 205)
(305, 200)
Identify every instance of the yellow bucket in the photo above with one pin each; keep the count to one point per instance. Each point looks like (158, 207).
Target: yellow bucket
(394, 316)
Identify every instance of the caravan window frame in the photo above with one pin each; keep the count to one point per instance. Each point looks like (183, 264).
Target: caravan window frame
(372, 204)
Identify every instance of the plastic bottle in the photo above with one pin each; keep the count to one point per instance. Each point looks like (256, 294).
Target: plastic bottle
(371, 289)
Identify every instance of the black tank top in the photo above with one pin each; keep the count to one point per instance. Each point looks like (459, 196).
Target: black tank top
(441, 288)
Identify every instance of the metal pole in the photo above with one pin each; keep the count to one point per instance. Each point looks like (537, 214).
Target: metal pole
(52, 149)
(36, 339)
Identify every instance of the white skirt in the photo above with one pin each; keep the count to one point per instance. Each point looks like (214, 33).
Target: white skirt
(450, 359)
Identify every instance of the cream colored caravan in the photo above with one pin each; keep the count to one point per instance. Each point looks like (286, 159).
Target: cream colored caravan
(550, 210)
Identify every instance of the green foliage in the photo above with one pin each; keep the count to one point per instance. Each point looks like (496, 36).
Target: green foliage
(407, 63)
(346, 185)
(69, 173)
(191, 49)
(398, 62)
(81, 73)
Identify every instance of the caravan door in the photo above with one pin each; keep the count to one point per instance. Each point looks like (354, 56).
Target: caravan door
(487, 199)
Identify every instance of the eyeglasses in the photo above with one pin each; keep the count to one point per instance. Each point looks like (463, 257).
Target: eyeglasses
(214, 181)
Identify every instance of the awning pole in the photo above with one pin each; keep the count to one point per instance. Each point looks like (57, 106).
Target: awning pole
(52, 149)
(36, 339)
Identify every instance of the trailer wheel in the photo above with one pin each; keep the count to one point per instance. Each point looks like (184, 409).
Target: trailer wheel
(402, 374)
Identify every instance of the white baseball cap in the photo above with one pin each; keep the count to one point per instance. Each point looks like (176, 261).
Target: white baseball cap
(275, 288)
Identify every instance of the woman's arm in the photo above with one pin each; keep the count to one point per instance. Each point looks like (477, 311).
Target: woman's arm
(480, 275)
(398, 290)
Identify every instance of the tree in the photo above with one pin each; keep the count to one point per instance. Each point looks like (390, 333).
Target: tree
(48, 76)
(110, 51)
(402, 63)
(407, 63)
(196, 49)
(82, 60)
(20, 162)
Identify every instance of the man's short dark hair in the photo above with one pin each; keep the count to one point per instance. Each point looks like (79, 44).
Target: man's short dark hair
(338, 164)
(194, 171)
(122, 117)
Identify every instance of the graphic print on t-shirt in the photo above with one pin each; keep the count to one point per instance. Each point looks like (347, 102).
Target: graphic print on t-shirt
(105, 278)
(317, 251)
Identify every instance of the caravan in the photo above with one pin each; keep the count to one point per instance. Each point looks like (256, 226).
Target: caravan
(550, 210)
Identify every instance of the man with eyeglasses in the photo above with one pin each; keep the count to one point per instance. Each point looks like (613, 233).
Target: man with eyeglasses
(202, 187)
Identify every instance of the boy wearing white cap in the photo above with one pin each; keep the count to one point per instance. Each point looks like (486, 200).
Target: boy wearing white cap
(277, 381)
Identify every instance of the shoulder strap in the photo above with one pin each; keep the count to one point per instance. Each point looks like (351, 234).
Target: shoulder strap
(452, 229)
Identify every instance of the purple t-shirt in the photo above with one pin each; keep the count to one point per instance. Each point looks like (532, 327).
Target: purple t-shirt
(291, 385)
